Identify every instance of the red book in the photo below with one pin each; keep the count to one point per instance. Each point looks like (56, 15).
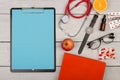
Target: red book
(81, 68)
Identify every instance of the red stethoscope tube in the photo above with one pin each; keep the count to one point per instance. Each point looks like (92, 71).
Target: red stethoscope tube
(68, 10)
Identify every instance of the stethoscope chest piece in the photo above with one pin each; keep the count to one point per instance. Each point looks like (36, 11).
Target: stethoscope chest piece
(65, 19)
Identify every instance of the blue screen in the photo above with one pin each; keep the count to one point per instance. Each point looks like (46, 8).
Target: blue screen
(33, 39)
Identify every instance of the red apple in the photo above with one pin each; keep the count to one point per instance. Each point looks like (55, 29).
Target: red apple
(67, 44)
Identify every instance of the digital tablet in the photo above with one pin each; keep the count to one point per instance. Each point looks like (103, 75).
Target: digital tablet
(33, 40)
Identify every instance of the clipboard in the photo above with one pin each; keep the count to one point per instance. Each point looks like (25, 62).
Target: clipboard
(33, 47)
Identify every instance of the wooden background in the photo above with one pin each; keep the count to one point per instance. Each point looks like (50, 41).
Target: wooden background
(112, 71)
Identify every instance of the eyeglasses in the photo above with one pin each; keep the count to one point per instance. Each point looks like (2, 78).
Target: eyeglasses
(109, 38)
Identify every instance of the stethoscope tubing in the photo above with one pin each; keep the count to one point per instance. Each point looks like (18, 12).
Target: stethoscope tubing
(68, 9)
(68, 13)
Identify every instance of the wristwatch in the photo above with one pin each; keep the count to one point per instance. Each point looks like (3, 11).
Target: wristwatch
(88, 30)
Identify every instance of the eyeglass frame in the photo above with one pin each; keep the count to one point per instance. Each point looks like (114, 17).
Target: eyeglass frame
(100, 40)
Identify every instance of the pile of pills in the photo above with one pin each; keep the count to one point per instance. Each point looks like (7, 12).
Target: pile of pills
(106, 53)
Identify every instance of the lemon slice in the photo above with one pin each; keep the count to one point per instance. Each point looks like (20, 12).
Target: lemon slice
(100, 5)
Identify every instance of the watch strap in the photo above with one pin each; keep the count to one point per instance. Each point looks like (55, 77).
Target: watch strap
(83, 43)
(87, 35)
(93, 20)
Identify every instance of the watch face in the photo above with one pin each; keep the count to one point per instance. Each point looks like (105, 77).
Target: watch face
(89, 30)
(65, 19)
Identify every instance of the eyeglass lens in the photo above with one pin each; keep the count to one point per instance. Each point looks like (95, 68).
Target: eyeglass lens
(94, 44)
(108, 38)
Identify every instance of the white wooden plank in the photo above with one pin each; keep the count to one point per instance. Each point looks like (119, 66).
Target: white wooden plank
(4, 28)
(7, 75)
(71, 27)
(5, 54)
(111, 73)
(6, 5)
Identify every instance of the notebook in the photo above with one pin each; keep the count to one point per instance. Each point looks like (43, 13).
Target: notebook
(81, 68)
(33, 39)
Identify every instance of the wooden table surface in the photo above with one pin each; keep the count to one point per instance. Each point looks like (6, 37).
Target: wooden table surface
(112, 71)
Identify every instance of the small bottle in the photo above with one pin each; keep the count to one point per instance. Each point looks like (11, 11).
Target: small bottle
(103, 23)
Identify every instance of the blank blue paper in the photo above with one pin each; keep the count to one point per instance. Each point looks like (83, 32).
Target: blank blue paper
(33, 39)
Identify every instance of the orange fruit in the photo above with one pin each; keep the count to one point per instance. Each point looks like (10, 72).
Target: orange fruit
(100, 5)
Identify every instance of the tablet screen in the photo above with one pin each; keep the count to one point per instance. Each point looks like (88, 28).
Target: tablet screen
(33, 39)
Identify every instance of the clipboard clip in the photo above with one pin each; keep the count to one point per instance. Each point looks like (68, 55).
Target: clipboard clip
(33, 10)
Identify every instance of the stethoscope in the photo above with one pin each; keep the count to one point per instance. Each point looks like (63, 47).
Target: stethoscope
(67, 14)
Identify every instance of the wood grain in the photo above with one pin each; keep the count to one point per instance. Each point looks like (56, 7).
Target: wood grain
(113, 66)
(5, 53)
(110, 74)
(6, 5)
(72, 27)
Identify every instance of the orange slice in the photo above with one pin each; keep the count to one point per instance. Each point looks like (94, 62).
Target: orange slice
(100, 5)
